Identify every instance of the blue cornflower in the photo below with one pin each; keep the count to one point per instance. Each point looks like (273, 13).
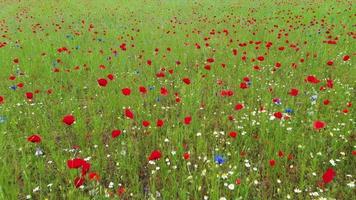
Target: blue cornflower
(219, 159)
(288, 110)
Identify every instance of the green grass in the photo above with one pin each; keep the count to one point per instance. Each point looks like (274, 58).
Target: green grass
(34, 30)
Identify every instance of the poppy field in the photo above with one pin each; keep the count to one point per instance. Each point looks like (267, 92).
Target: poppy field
(198, 100)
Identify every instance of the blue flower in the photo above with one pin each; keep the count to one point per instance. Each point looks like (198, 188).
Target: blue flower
(151, 87)
(14, 87)
(288, 110)
(219, 159)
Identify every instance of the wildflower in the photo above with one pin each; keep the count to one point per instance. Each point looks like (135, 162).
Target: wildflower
(219, 159)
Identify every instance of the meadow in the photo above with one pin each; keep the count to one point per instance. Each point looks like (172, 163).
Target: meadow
(159, 99)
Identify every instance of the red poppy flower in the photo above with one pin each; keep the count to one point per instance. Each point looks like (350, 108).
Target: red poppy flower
(319, 124)
(115, 133)
(186, 156)
(102, 82)
(94, 176)
(164, 91)
(280, 154)
(34, 138)
(160, 75)
(129, 113)
(312, 79)
(123, 47)
(85, 168)
(207, 67)
(238, 181)
(226, 93)
(246, 79)
(121, 190)
(294, 92)
(75, 163)
(12, 77)
(329, 175)
(260, 58)
(234, 52)
(20, 85)
(329, 83)
(29, 95)
(160, 123)
(68, 119)
(272, 163)
(186, 81)
(346, 58)
(239, 106)
(155, 155)
(142, 89)
(243, 85)
(187, 120)
(210, 60)
(2, 99)
(79, 181)
(326, 102)
(278, 115)
(111, 77)
(126, 91)
(233, 134)
(145, 123)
